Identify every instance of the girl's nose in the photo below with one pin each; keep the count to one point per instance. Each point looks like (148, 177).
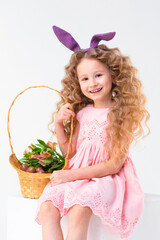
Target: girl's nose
(92, 82)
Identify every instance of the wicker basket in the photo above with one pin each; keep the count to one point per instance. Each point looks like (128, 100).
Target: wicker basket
(32, 184)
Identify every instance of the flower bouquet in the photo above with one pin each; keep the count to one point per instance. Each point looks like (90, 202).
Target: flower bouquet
(42, 158)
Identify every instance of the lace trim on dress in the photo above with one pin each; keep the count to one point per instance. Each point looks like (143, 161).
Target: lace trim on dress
(114, 218)
(93, 130)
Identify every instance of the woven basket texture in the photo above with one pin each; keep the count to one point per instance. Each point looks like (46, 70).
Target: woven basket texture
(32, 184)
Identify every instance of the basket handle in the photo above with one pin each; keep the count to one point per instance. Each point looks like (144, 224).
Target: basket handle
(70, 138)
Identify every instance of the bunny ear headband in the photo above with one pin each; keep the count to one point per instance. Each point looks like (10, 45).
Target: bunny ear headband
(68, 41)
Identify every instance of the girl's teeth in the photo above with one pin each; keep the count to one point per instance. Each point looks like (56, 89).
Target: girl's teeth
(97, 90)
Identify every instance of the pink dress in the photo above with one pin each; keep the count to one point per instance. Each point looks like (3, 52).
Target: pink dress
(117, 199)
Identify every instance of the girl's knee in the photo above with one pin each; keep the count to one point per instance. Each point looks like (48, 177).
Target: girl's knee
(46, 206)
(78, 212)
(79, 218)
(48, 209)
(81, 210)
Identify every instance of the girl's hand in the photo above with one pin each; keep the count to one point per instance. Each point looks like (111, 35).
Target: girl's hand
(65, 112)
(60, 176)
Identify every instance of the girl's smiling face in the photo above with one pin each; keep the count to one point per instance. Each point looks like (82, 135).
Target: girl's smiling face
(95, 82)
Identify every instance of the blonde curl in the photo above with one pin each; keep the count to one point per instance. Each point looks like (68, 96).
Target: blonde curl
(128, 116)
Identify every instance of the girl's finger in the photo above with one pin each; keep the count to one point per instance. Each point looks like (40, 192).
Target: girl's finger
(70, 112)
(69, 106)
(53, 183)
(52, 176)
(67, 116)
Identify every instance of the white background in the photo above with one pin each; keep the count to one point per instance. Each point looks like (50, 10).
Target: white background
(30, 54)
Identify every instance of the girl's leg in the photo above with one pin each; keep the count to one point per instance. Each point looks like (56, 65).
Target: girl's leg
(78, 222)
(50, 219)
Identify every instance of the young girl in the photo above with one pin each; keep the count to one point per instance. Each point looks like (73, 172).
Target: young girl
(106, 100)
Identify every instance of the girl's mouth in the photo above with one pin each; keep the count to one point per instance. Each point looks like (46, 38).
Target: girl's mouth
(95, 90)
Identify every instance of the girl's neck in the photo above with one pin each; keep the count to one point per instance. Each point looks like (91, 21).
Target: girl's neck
(103, 105)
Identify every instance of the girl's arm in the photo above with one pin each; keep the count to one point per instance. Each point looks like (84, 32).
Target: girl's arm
(64, 114)
(112, 166)
(95, 171)
(98, 170)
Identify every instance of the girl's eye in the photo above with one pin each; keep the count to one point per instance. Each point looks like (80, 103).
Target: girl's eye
(99, 75)
(84, 79)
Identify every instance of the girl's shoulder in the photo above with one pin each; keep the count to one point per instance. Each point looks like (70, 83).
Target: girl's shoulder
(84, 111)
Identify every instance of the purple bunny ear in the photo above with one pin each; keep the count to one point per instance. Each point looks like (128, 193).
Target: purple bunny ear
(66, 38)
(98, 37)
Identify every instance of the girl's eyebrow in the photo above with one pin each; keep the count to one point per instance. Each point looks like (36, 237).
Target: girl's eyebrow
(102, 71)
(85, 74)
(82, 75)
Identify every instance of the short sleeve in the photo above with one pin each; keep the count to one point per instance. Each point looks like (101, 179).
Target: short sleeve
(83, 113)
(80, 115)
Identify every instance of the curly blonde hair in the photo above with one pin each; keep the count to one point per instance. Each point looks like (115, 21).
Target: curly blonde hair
(128, 114)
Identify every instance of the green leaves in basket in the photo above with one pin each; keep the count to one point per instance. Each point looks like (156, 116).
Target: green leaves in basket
(43, 155)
